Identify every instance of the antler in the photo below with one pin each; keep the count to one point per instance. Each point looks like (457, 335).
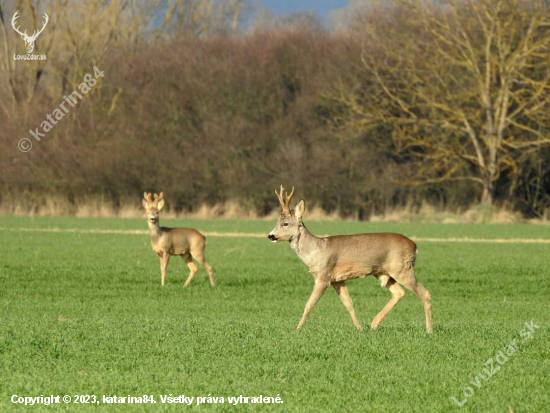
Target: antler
(35, 33)
(158, 197)
(14, 18)
(285, 204)
(148, 197)
(151, 199)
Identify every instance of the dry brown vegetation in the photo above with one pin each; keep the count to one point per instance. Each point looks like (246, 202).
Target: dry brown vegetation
(411, 106)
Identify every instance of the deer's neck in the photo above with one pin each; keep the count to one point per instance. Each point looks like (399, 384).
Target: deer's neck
(306, 246)
(154, 230)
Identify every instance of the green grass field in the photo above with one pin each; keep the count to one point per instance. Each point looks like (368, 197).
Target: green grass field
(84, 313)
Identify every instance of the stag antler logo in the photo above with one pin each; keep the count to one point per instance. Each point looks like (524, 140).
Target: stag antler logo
(29, 40)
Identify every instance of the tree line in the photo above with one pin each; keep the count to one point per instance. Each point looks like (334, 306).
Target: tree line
(409, 102)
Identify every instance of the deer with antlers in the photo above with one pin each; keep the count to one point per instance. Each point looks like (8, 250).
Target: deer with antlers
(334, 260)
(29, 40)
(186, 242)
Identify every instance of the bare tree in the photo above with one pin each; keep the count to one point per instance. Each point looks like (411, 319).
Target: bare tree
(20, 79)
(463, 88)
(201, 17)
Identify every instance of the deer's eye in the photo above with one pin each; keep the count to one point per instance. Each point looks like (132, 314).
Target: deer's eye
(285, 224)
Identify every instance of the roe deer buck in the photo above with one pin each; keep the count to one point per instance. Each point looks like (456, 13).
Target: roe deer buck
(187, 242)
(337, 259)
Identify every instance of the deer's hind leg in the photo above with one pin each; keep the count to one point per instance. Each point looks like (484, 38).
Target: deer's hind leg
(397, 294)
(198, 254)
(408, 280)
(192, 268)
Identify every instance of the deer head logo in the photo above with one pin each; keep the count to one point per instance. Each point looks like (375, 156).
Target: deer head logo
(29, 40)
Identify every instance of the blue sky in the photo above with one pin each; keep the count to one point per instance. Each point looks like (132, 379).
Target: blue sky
(321, 7)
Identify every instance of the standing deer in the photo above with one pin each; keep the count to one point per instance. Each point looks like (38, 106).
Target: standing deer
(334, 260)
(186, 242)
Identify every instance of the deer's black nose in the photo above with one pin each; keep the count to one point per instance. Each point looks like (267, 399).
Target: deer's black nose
(271, 237)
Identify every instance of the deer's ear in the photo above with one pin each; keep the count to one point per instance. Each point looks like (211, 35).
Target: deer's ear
(160, 204)
(145, 203)
(300, 209)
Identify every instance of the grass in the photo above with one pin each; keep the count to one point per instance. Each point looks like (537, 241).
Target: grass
(85, 314)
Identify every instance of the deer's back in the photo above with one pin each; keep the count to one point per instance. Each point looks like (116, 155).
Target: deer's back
(383, 242)
(359, 255)
(179, 241)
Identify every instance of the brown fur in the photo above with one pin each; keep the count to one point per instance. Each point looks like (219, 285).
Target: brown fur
(186, 242)
(334, 260)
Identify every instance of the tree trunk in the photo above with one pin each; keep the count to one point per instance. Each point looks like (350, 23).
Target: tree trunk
(487, 197)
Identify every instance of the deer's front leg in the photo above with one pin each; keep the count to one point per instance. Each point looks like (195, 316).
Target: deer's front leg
(164, 258)
(343, 293)
(318, 290)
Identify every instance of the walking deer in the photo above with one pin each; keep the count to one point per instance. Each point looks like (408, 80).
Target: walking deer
(334, 260)
(186, 242)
